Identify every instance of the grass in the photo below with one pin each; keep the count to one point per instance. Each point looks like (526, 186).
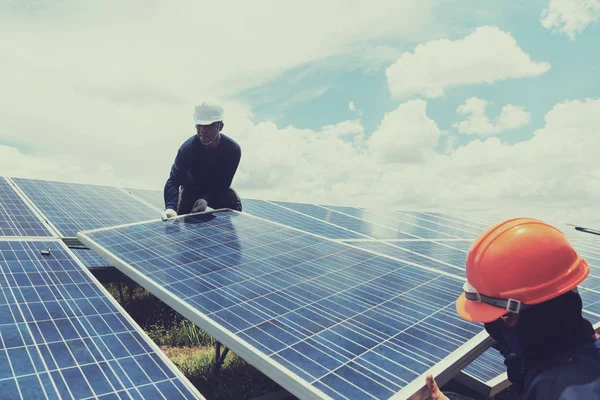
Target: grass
(191, 349)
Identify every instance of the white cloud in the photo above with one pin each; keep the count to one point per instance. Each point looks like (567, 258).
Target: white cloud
(353, 108)
(552, 174)
(120, 87)
(486, 55)
(405, 135)
(477, 122)
(570, 17)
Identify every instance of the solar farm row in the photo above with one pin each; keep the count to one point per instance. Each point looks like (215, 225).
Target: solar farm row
(376, 285)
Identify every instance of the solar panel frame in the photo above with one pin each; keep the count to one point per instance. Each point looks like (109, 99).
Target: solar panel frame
(443, 371)
(44, 353)
(9, 192)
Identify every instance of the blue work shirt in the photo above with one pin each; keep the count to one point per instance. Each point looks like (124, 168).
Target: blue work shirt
(202, 170)
(572, 375)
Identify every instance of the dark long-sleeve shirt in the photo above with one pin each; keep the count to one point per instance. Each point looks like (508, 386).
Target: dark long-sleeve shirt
(203, 170)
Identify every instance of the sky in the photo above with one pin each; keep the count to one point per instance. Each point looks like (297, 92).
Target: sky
(467, 106)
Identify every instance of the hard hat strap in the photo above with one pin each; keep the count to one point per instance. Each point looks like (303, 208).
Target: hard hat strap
(511, 305)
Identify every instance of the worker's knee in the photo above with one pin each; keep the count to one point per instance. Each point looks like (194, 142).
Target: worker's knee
(233, 200)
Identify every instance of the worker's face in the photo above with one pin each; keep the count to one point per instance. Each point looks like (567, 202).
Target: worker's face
(207, 133)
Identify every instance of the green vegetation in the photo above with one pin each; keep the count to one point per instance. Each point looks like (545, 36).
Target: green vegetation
(191, 349)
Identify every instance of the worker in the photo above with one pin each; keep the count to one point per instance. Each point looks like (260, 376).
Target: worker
(204, 167)
(522, 278)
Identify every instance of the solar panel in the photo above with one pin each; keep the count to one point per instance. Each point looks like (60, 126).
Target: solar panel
(16, 217)
(89, 258)
(415, 227)
(397, 251)
(317, 316)
(364, 222)
(153, 197)
(452, 228)
(63, 336)
(282, 215)
(73, 207)
(488, 370)
(446, 219)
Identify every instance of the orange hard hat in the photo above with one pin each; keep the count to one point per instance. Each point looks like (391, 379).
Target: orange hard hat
(516, 264)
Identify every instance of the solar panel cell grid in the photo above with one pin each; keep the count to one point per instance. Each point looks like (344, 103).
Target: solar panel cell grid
(154, 197)
(350, 323)
(61, 336)
(391, 249)
(73, 207)
(487, 366)
(296, 220)
(16, 218)
(89, 258)
(362, 226)
(395, 221)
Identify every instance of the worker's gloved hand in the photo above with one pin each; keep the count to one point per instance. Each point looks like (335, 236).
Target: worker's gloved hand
(199, 206)
(168, 213)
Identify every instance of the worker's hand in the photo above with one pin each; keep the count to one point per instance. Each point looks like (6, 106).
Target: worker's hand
(199, 206)
(434, 390)
(168, 213)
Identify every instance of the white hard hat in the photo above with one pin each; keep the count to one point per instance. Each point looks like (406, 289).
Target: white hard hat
(208, 111)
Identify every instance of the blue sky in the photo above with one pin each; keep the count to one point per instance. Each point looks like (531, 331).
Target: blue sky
(575, 66)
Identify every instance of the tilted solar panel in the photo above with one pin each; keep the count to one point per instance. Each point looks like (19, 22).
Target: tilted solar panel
(447, 219)
(63, 336)
(415, 228)
(487, 370)
(320, 318)
(362, 226)
(395, 250)
(16, 218)
(153, 197)
(452, 228)
(89, 258)
(282, 215)
(72, 207)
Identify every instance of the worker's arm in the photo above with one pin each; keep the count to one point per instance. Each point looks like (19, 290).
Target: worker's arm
(176, 177)
(230, 169)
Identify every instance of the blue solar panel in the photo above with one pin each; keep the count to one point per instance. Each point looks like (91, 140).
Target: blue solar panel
(447, 219)
(315, 315)
(449, 227)
(370, 228)
(63, 336)
(374, 223)
(89, 258)
(417, 227)
(487, 367)
(16, 218)
(154, 197)
(281, 215)
(463, 245)
(72, 207)
(394, 249)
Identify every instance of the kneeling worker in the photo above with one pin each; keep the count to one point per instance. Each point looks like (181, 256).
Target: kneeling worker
(204, 167)
(522, 278)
